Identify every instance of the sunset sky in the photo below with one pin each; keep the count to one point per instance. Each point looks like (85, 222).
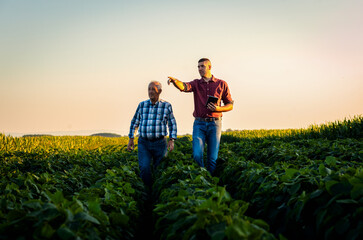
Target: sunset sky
(83, 66)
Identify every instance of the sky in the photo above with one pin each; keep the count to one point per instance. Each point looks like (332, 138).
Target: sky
(83, 66)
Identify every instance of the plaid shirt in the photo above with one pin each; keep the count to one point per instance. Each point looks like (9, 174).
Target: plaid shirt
(151, 120)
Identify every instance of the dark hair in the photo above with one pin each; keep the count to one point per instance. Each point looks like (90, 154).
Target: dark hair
(203, 60)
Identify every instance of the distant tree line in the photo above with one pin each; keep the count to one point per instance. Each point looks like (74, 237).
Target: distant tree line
(96, 134)
(37, 135)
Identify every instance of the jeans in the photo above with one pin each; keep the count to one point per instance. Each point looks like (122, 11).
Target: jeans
(210, 133)
(147, 152)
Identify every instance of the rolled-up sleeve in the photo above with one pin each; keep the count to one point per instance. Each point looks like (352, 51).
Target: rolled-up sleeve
(226, 97)
(189, 86)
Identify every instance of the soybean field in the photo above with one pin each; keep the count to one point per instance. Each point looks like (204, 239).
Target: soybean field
(269, 184)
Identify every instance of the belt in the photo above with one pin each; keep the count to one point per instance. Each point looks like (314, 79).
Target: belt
(211, 119)
(153, 139)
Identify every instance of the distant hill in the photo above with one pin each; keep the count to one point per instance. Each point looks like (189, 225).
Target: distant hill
(106, 135)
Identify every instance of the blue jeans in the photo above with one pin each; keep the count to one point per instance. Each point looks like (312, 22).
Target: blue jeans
(210, 133)
(147, 152)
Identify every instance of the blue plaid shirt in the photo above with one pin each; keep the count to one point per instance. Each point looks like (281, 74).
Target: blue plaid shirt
(151, 120)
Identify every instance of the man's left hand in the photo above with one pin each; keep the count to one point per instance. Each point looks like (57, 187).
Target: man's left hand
(170, 145)
(212, 107)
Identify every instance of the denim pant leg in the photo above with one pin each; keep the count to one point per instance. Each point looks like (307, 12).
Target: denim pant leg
(158, 151)
(199, 134)
(213, 141)
(144, 156)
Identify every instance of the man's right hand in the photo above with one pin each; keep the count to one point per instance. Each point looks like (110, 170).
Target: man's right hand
(178, 84)
(131, 145)
(171, 80)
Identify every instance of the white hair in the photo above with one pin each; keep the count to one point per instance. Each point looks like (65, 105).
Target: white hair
(157, 84)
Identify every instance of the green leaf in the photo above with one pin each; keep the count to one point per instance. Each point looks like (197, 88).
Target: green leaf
(281, 237)
(340, 188)
(15, 214)
(94, 207)
(128, 188)
(47, 231)
(241, 229)
(69, 215)
(289, 173)
(57, 197)
(119, 219)
(293, 190)
(65, 233)
(320, 218)
(331, 161)
(237, 230)
(86, 217)
(324, 170)
(48, 212)
(239, 207)
(329, 184)
(342, 225)
(175, 214)
(216, 231)
(316, 193)
(33, 204)
(357, 191)
(357, 182)
(182, 224)
(262, 224)
(347, 201)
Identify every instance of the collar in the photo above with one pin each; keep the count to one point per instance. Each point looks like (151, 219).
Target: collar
(213, 79)
(155, 103)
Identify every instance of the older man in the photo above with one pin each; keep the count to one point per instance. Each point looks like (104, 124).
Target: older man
(152, 118)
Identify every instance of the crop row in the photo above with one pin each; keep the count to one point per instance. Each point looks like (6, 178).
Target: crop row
(84, 194)
(310, 202)
(303, 188)
(189, 204)
(347, 128)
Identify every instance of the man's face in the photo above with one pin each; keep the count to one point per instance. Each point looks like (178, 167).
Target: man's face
(204, 68)
(153, 91)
